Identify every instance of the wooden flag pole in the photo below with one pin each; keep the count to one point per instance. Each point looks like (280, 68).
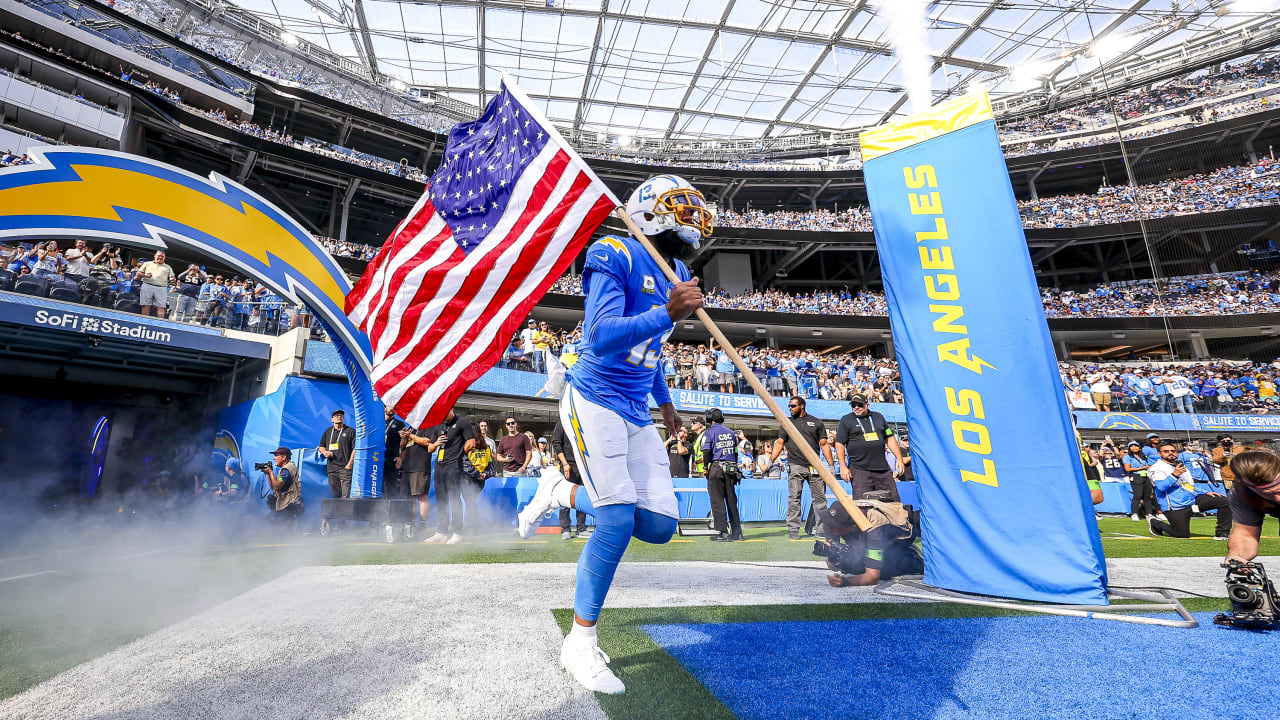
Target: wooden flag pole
(810, 455)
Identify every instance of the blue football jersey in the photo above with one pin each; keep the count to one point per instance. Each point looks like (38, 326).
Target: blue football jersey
(622, 280)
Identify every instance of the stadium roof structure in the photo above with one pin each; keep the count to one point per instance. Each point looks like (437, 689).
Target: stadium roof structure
(743, 69)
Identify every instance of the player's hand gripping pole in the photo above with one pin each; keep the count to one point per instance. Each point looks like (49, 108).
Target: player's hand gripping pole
(809, 454)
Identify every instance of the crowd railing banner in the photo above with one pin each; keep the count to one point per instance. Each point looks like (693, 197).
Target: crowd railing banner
(1008, 511)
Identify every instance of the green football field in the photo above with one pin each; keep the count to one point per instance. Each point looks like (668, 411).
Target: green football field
(64, 605)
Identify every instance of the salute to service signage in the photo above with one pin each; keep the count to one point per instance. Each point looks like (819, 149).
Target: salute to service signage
(1008, 512)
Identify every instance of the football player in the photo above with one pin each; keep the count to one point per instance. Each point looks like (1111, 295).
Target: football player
(631, 310)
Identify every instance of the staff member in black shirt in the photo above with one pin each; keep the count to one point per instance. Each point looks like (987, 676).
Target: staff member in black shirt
(338, 444)
(456, 435)
(678, 453)
(568, 464)
(416, 448)
(391, 461)
(815, 434)
(864, 434)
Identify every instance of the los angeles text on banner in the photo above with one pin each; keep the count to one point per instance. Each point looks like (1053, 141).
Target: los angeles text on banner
(991, 437)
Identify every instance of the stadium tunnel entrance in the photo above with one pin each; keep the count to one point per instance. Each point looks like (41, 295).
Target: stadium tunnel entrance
(99, 402)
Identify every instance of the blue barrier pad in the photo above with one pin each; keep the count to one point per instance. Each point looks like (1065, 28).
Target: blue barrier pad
(1118, 496)
(759, 500)
(1052, 668)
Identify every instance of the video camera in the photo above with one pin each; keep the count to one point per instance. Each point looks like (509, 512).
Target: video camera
(836, 552)
(262, 466)
(1255, 603)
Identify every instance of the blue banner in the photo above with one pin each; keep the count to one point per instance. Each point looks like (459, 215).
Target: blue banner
(1007, 509)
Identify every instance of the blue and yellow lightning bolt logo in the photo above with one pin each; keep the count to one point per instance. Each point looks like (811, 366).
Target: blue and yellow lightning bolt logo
(114, 195)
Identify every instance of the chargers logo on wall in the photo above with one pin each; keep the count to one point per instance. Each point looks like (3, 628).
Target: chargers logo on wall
(1122, 421)
(133, 199)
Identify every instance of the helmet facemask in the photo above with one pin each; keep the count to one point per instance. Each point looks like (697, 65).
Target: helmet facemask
(684, 211)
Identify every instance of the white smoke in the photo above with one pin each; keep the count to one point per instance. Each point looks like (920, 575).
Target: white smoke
(906, 24)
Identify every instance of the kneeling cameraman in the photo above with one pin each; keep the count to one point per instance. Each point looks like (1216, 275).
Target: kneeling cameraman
(884, 551)
(285, 500)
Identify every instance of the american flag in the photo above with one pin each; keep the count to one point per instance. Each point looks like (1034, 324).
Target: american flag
(505, 214)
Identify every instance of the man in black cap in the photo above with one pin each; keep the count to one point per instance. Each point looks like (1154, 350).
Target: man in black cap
(337, 445)
(285, 500)
(814, 433)
(886, 550)
(864, 434)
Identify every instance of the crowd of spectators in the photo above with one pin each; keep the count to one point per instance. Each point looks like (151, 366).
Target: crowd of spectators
(704, 367)
(9, 159)
(1215, 294)
(1229, 188)
(277, 65)
(827, 164)
(111, 277)
(1212, 386)
(1225, 189)
(341, 248)
(74, 95)
(311, 145)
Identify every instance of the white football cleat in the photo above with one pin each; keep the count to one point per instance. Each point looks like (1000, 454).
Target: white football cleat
(454, 539)
(437, 538)
(588, 664)
(542, 503)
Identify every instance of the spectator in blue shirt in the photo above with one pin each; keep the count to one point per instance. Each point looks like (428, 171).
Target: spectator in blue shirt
(1141, 387)
(725, 372)
(1150, 451)
(1162, 398)
(1144, 499)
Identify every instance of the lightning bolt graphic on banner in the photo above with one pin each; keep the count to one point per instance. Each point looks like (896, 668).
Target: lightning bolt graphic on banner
(113, 195)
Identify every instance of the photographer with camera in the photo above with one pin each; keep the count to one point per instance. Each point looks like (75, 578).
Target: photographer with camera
(1222, 455)
(884, 551)
(720, 444)
(1175, 492)
(1254, 495)
(285, 500)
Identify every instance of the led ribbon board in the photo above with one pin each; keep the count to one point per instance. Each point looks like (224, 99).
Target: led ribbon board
(1006, 508)
(110, 195)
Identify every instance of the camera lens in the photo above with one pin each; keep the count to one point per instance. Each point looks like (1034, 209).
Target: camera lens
(1243, 595)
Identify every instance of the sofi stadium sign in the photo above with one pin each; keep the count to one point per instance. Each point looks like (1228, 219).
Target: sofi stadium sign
(101, 326)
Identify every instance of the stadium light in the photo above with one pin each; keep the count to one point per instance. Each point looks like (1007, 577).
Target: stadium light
(625, 140)
(1112, 46)
(1031, 71)
(289, 39)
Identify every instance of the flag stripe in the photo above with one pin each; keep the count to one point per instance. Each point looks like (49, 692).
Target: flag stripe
(472, 278)
(565, 239)
(427, 223)
(463, 374)
(374, 271)
(499, 291)
(427, 249)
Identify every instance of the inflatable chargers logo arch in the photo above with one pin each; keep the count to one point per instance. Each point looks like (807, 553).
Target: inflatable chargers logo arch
(117, 196)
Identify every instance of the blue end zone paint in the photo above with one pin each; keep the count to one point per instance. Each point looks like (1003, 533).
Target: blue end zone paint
(1044, 668)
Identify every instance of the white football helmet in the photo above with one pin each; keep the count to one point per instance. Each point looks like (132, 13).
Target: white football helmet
(669, 202)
